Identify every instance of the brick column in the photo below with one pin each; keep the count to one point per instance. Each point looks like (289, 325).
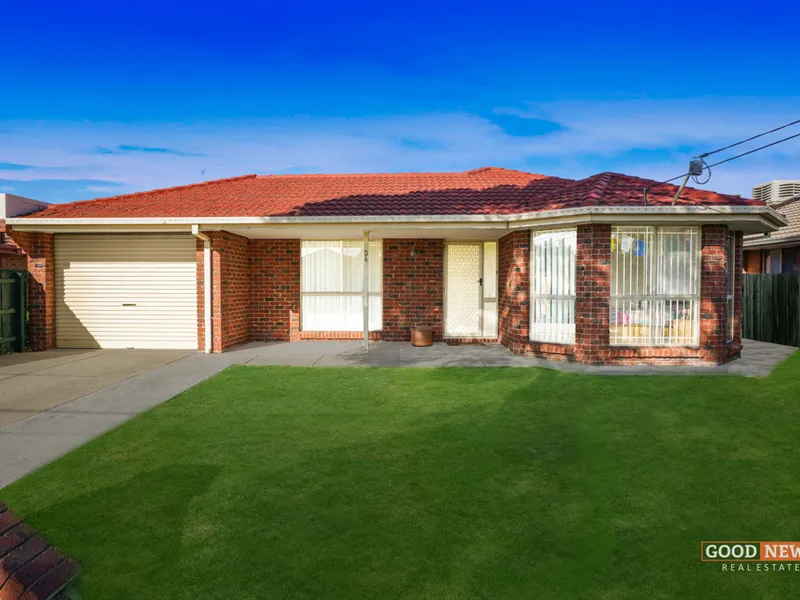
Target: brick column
(230, 290)
(274, 267)
(592, 293)
(413, 287)
(39, 252)
(514, 258)
(713, 293)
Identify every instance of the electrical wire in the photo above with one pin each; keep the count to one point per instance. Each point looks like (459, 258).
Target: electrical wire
(729, 159)
(722, 162)
(750, 139)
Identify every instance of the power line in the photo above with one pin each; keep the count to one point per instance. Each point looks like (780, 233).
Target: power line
(754, 150)
(707, 166)
(750, 139)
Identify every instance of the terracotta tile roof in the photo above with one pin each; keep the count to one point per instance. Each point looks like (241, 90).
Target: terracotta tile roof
(791, 233)
(489, 190)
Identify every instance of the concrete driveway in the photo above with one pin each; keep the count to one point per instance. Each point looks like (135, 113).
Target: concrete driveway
(38, 381)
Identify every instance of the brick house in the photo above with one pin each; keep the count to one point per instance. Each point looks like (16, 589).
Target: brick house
(779, 251)
(580, 270)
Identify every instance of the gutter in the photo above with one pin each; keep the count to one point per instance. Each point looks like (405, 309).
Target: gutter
(585, 211)
(771, 243)
(207, 287)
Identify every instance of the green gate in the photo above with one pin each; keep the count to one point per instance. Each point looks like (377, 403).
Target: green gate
(13, 311)
(771, 308)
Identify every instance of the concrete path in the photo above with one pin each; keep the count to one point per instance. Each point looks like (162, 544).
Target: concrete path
(37, 381)
(758, 358)
(103, 389)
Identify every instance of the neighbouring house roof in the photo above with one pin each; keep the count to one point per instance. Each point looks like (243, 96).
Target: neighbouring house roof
(486, 191)
(790, 209)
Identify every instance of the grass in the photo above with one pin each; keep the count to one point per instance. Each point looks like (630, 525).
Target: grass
(270, 482)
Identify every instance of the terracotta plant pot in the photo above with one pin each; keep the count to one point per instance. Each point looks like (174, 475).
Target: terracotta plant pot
(421, 336)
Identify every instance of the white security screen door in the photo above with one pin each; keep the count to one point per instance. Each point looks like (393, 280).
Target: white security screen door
(471, 290)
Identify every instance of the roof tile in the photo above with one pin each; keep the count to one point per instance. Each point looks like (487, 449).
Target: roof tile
(489, 190)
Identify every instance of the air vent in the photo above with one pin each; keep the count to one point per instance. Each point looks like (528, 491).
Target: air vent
(777, 191)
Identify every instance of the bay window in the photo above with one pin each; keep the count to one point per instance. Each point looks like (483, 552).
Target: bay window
(655, 286)
(331, 280)
(553, 286)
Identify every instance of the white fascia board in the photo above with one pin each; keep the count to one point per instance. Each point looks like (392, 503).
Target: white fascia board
(768, 218)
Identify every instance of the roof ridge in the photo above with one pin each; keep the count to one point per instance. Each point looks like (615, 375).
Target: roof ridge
(598, 191)
(398, 173)
(785, 202)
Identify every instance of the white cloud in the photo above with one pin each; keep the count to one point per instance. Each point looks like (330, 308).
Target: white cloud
(653, 138)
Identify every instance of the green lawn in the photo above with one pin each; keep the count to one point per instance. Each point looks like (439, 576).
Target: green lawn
(269, 482)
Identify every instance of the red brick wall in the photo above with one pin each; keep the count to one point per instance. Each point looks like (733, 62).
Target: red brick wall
(231, 289)
(592, 293)
(713, 292)
(39, 258)
(274, 311)
(752, 261)
(413, 287)
(513, 302)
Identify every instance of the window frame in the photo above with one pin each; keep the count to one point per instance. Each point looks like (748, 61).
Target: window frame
(553, 339)
(358, 294)
(655, 267)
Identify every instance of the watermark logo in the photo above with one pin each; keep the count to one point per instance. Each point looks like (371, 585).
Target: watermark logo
(737, 556)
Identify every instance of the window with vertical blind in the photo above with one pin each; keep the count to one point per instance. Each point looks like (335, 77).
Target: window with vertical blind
(553, 286)
(331, 278)
(655, 286)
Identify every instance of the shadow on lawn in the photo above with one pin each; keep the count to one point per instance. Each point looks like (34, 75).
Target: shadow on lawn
(566, 486)
(146, 512)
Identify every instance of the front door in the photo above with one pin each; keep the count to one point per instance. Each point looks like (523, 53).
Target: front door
(471, 289)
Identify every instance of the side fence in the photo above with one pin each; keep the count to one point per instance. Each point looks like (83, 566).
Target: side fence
(13, 311)
(771, 308)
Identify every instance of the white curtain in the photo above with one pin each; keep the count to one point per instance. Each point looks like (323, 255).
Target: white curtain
(331, 276)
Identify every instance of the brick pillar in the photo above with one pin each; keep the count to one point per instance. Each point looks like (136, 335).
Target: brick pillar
(713, 293)
(231, 290)
(39, 252)
(413, 287)
(514, 259)
(592, 293)
(274, 269)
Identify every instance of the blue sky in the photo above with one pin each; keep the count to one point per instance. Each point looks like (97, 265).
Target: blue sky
(104, 98)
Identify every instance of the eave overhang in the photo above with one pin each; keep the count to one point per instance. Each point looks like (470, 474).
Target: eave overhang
(750, 219)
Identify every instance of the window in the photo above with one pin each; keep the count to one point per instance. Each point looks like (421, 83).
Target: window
(655, 286)
(331, 277)
(731, 285)
(553, 286)
(774, 260)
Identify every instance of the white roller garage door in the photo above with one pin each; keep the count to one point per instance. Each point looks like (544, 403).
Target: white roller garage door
(126, 291)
